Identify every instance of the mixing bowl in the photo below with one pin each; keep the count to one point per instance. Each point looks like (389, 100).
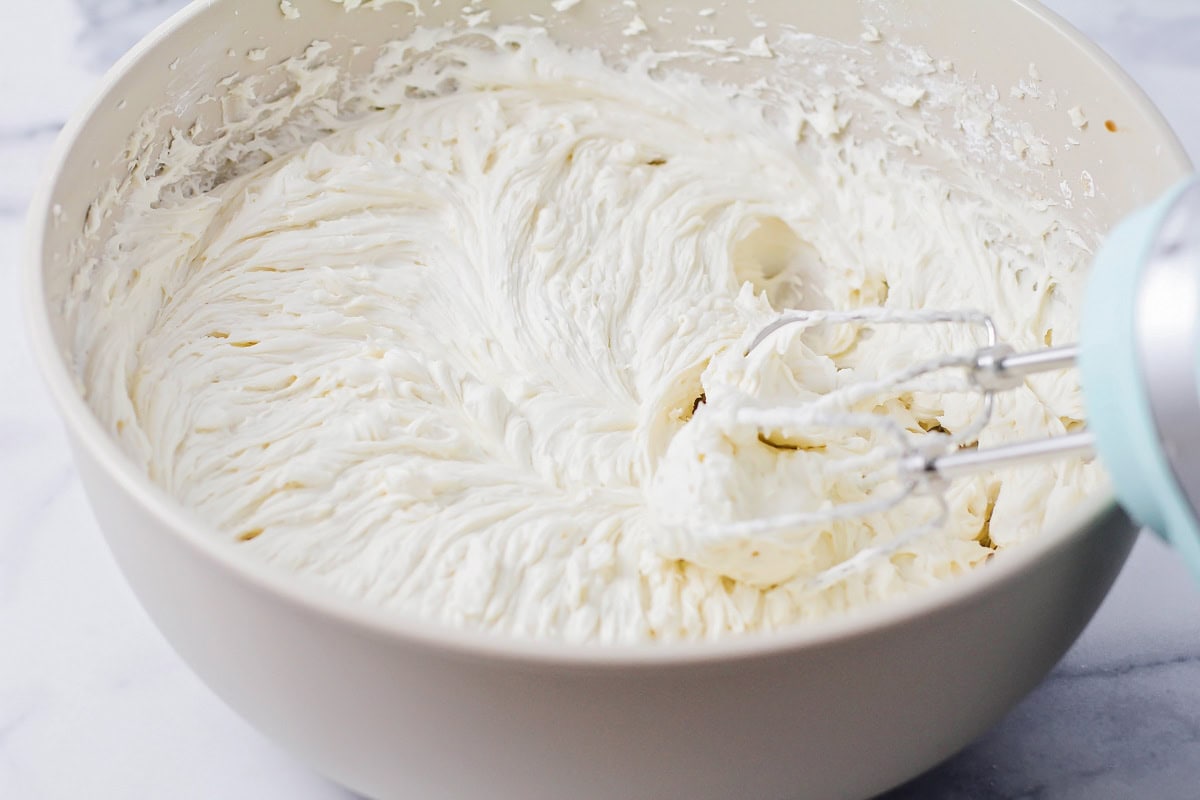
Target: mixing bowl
(396, 707)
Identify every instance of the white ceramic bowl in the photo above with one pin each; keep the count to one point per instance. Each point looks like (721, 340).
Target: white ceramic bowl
(395, 707)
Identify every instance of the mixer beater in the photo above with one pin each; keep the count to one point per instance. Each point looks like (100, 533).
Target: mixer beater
(1139, 362)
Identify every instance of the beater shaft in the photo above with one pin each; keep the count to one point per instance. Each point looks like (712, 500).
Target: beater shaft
(998, 368)
(967, 462)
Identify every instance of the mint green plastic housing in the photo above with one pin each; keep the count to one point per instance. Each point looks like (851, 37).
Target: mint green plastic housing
(1119, 414)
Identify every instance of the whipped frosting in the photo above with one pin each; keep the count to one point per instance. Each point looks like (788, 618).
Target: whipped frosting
(471, 345)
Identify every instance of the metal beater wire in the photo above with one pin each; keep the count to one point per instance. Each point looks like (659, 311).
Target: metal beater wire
(919, 481)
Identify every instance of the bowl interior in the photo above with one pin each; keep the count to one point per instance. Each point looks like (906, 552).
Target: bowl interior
(177, 74)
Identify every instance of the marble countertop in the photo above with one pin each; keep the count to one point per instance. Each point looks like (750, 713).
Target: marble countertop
(94, 704)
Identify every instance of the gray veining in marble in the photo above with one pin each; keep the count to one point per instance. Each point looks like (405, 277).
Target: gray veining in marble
(93, 704)
(111, 27)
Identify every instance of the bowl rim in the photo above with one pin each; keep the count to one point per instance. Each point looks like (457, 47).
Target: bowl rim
(311, 597)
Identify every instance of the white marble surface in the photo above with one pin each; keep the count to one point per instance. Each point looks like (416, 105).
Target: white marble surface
(93, 704)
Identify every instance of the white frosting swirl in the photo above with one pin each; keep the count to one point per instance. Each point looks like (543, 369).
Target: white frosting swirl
(436, 358)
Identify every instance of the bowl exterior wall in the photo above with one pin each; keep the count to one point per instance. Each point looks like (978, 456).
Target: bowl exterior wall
(395, 718)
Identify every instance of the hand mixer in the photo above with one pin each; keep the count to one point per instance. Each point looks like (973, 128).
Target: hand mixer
(1139, 363)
